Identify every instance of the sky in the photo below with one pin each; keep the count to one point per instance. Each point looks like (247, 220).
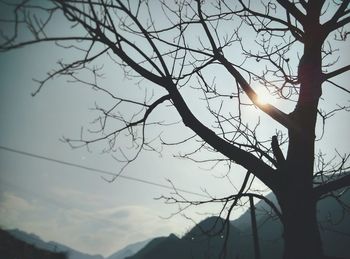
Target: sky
(78, 207)
(74, 206)
(69, 205)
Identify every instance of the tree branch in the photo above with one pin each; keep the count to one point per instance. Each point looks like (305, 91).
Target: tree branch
(340, 12)
(293, 10)
(334, 22)
(323, 189)
(264, 172)
(338, 86)
(269, 109)
(336, 72)
(342, 23)
(296, 32)
(7, 47)
(247, 160)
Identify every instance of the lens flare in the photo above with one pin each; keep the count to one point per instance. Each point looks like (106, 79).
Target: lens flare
(264, 96)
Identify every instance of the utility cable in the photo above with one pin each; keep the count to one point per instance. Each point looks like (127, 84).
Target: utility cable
(91, 169)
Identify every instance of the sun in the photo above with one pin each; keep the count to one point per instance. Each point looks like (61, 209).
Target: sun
(264, 96)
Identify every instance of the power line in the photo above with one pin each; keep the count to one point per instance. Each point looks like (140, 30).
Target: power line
(91, 169)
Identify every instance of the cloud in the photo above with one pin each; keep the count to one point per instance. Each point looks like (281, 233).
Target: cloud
(14, 209)
(79, 199)
(121, 214)
(91, 229)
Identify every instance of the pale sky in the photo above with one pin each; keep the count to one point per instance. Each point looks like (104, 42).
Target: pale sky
(77, 207)
(70, 205)
(74, 206)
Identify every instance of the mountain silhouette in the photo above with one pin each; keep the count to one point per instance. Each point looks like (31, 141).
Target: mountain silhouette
(206, 240)
(129, 250)
(36, 241)
(334, 225)
(11, 247)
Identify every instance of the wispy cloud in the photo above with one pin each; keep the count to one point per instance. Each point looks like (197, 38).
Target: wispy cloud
(64, 216)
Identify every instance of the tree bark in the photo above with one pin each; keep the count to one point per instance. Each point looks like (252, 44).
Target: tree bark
(301, 233)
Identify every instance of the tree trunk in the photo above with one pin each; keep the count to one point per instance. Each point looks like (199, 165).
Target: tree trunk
(301, 233)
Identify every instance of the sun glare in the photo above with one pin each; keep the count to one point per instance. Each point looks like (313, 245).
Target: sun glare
(264, 97)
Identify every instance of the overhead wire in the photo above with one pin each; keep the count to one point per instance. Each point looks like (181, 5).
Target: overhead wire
(96, 170)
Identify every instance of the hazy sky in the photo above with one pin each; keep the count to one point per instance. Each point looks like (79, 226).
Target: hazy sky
(74, 206)
(77, 207)
(71, 205)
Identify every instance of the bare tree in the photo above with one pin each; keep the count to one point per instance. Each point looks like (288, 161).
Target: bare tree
(176, 48)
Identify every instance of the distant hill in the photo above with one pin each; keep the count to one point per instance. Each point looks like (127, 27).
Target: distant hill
(129, 250)
(35, 241)
(11, 247)
(335, 226)
(206, 239)
(50, 246)
(333, 220)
